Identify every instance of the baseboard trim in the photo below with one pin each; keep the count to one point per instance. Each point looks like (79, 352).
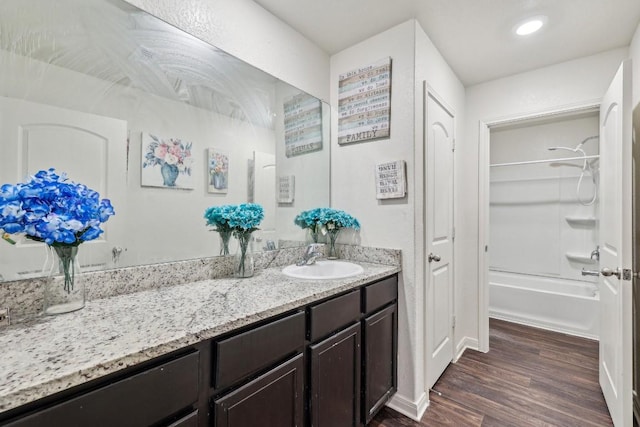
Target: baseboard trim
(466, 343)
(541, 324)
(414, 410)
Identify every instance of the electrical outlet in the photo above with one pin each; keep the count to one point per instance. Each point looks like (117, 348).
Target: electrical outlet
(4, 317)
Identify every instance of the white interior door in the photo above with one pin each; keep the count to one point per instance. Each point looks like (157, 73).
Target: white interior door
(615, 247)
(439, 229)
(265, 194)
(90, 149)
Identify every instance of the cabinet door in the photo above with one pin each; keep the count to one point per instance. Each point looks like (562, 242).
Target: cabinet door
(335, 380)
(140, 400)
(380, 359)
(273, 399)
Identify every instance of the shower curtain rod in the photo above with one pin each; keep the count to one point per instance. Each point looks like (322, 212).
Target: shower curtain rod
(531, 162)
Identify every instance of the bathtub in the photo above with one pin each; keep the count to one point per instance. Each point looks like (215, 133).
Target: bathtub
(560, 305)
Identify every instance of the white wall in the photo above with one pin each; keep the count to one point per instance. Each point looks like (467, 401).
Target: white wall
(247, 31)
(530, 204)
(634, 54)
(395, 223)
(550, 88)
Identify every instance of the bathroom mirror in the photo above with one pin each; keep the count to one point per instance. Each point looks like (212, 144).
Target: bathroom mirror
(113, 96)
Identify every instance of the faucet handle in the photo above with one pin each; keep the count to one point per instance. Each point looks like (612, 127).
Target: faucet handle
(314, 247)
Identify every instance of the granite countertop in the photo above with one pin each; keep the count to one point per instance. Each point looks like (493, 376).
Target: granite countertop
(51, 354)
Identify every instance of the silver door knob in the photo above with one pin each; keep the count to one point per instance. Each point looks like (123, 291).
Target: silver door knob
(435, 258)
(607, 272)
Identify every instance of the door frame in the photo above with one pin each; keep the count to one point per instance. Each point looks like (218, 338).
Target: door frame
(427, 91)
(484, 136)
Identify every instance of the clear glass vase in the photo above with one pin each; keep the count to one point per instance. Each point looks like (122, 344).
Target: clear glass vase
(64, 288)
(243, 265)
(225, 236)
(314, 234)
(332, 252)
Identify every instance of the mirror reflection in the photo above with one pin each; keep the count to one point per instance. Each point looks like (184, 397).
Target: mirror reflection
(159, 122)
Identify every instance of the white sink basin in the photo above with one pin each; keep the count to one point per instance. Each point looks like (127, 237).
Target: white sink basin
(323, 270)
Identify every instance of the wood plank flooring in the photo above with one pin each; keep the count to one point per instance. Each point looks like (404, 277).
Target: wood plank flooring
(530, 377)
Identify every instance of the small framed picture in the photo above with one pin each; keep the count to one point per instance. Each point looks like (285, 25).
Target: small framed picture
(218, 171)
(166, 162)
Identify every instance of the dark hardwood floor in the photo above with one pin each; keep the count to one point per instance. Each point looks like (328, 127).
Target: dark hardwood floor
(530, 377)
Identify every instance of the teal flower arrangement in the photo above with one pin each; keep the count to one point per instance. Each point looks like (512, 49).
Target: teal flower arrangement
(240, 220)
(219, 217)
(326, 220)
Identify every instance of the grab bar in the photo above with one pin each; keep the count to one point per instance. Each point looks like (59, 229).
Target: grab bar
(595, 273)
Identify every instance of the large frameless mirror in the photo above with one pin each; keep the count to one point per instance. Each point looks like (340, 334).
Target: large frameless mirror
(159, 122)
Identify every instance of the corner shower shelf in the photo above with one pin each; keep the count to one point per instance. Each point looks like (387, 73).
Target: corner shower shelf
(581, 221)
(580, 258)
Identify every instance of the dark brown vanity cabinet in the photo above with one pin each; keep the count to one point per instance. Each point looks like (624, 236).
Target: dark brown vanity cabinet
(380, 344)
(379, 352)
(331, 363)
(275, 397)
(335, 361)
(142, 399)
(353, 368)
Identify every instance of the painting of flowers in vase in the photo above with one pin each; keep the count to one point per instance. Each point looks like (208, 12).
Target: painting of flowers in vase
(218, 171)
(167, 162)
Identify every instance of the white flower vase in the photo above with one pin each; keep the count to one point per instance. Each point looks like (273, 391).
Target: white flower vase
(64, 288)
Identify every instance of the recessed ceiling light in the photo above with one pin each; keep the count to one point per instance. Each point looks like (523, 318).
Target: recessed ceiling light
(530, 26)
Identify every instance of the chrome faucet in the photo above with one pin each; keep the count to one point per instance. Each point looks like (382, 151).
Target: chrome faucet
(595, 255)
(311, 254)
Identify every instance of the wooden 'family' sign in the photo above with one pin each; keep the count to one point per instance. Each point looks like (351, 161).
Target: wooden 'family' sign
(364, 103)
(302, 125)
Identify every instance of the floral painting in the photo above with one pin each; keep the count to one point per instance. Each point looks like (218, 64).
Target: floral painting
(218, 175)
(166, 162)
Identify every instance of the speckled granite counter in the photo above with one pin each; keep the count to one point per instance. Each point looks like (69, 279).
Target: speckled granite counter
(51, 354)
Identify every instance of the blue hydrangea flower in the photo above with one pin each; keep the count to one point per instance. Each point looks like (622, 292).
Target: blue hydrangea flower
(49, 208)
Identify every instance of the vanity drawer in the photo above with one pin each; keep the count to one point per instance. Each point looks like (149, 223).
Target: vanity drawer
(379, 294)
(190, 420)
(140, 400)
(249, 352)
(332, 315)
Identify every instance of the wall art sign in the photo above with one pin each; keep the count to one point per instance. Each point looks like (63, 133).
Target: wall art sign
(364, 103)
(391, 182)
(218, 171)
(166, 162)
(302, 125)
(286, 188)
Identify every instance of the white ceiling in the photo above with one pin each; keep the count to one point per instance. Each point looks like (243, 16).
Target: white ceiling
(474, 36)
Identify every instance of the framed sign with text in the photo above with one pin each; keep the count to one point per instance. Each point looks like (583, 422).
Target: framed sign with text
(302, 125)
(391, 182)
(364, 103)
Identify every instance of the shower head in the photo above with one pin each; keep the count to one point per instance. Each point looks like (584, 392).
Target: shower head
(562, 148)
(578, 147)
(585, 140)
